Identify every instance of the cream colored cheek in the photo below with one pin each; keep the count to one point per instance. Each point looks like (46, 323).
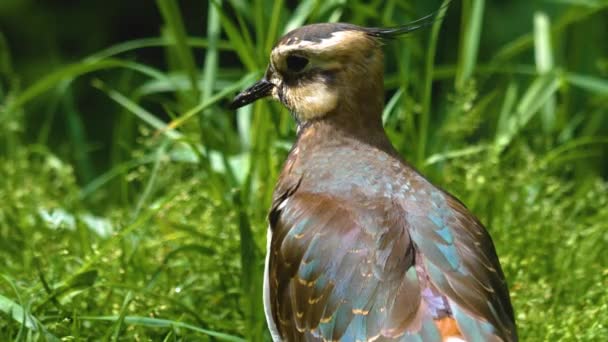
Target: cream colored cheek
(313, 100)
(275, 90)
(274, 93)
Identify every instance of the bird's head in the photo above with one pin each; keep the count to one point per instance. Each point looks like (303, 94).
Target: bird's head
(330, 68)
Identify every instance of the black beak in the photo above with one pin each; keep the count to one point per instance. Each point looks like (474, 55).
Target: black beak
(261, 88)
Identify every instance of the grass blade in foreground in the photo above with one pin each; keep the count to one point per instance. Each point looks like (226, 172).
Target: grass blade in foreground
(163, 323)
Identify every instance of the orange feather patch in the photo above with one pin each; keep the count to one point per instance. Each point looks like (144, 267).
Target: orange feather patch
(448, 327)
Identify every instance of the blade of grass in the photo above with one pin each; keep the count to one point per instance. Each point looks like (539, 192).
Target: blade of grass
(76, 282)
(211, 53)
(542, 43)
(149, 291)
(78, 136)
(163, 323)
(250, 274)
(160, 153)
(116, 171)
(210, 67)
(71, 72)
(245, 32)
(391, 104)
(506, 109)
(260, 22)
(142, 43)
(121, 317)
(18, 313)
(24, 316)
(472, 21)
(139, 111)
(338, 11)
(428, 83)
(539, 92)
(571, 145)
(449, 71)
(273, 27)
(589, 83)
(440, 157)
(300, 15)
(544, 64)
(587, 3)
(526, 41)
(249, 78)
(51, 112)
(240, 46)
(173, 19)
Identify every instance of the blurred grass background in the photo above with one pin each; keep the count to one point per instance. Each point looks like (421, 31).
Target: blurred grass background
(134, 203)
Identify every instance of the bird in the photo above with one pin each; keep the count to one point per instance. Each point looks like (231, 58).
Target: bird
(360, 245)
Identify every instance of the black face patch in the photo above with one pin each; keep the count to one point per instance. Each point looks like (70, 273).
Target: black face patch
(316, 32)
(328, 76)
(319, 75)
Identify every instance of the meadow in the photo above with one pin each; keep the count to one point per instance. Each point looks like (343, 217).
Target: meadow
(134, 202)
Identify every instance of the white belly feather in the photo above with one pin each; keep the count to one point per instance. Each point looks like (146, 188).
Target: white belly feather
(274, 332)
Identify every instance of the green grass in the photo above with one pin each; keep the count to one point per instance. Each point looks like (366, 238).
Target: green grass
(165, 240)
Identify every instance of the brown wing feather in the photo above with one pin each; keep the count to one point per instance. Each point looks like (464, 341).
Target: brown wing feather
(341, 271)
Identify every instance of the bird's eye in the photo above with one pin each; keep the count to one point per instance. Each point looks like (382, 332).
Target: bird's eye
(296, 63)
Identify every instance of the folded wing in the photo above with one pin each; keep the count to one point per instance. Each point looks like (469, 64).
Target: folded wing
(339, 271)
(461, 262)
(384, 270)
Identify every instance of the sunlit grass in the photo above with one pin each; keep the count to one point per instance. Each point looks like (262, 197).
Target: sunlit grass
(167, 242)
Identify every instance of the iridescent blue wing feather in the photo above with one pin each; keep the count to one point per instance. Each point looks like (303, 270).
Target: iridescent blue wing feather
(461, 261)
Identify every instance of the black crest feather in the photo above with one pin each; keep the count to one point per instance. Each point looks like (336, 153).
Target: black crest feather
(394, 32)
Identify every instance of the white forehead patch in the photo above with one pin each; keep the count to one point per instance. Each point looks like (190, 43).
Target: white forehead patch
(336, 38)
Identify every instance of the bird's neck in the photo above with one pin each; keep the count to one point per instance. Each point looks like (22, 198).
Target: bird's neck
(341, 130)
